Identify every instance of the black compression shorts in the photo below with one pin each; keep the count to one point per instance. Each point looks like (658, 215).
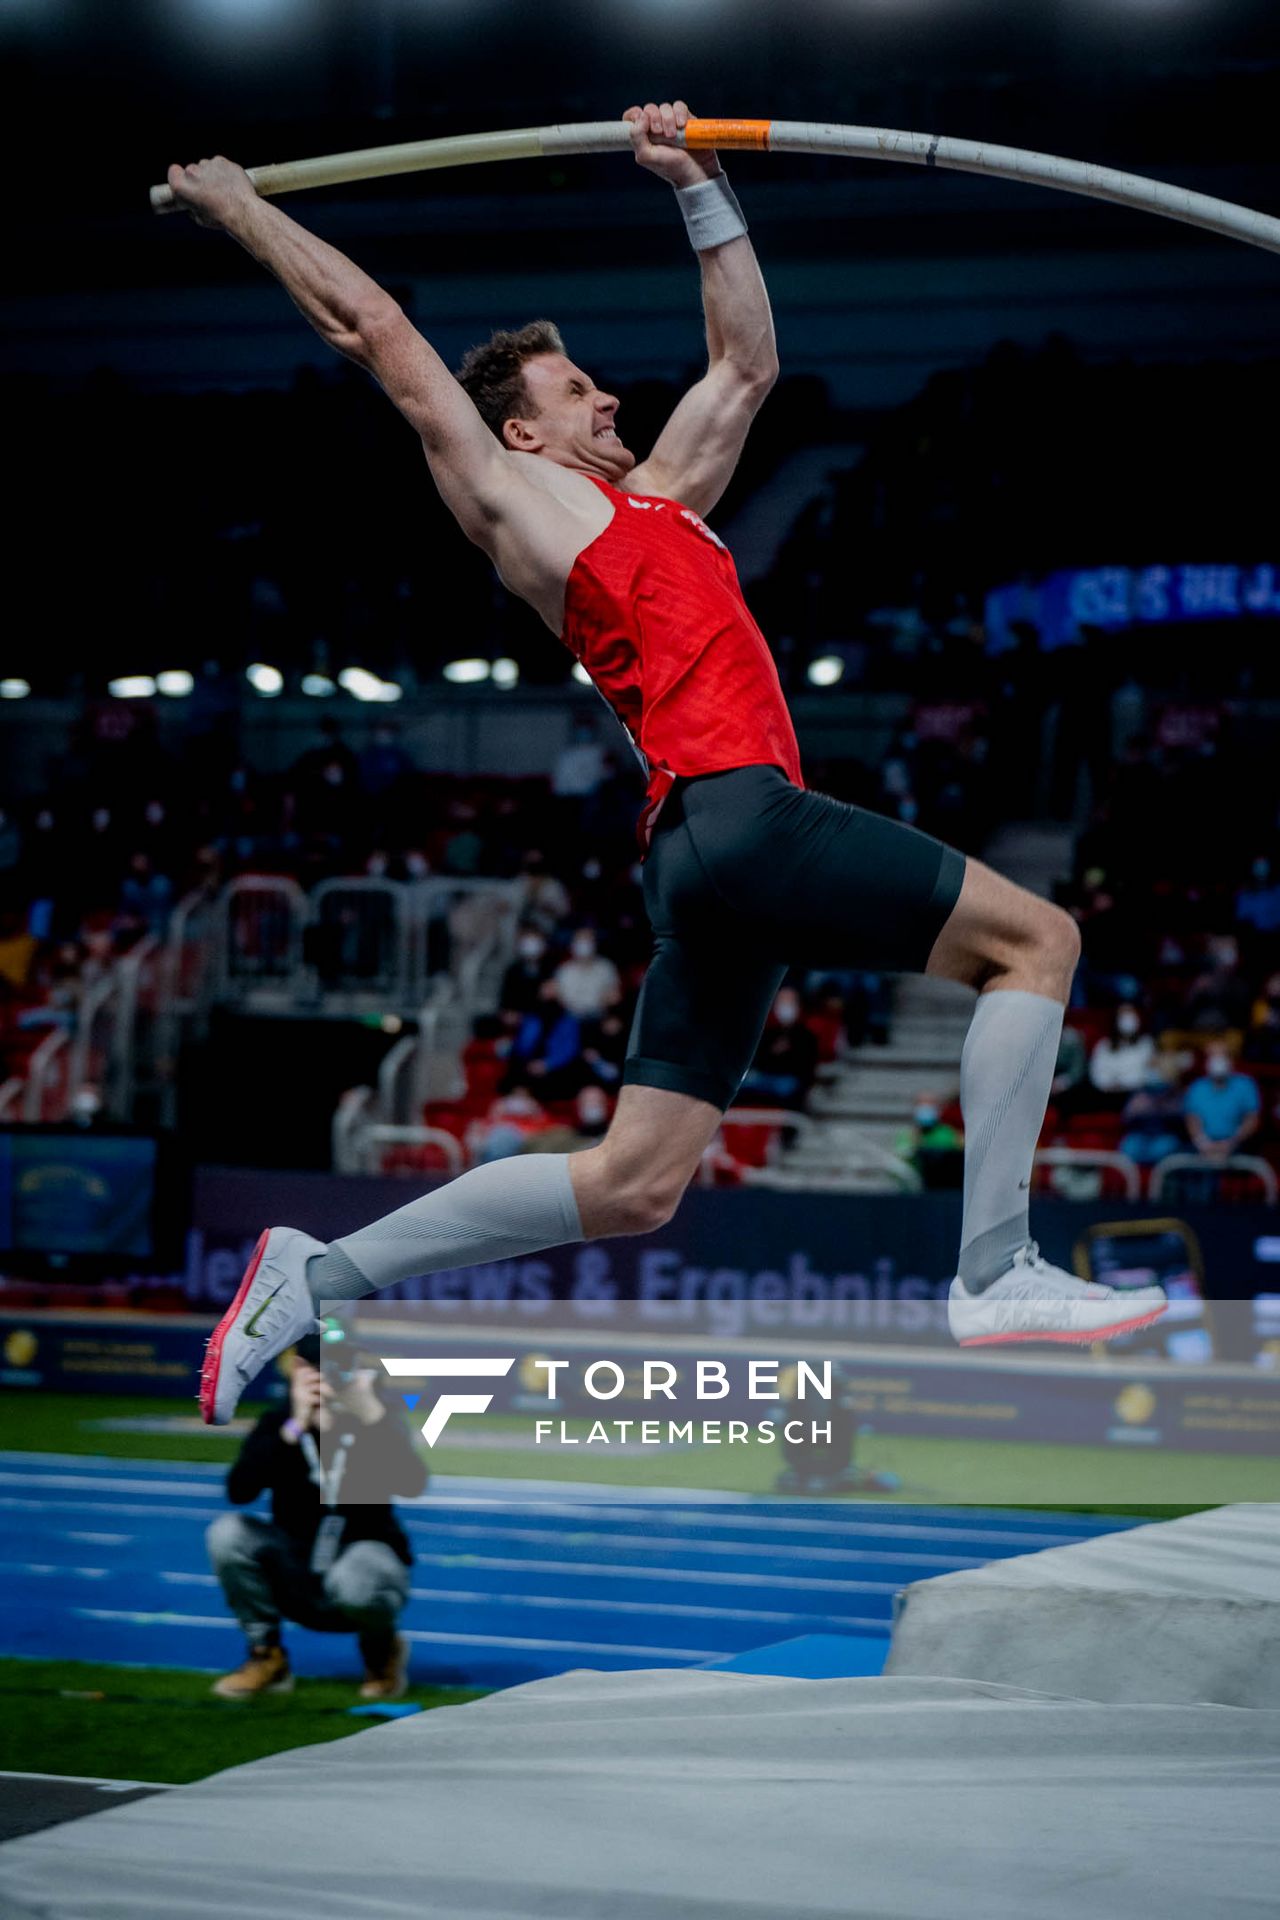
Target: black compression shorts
(747, 876)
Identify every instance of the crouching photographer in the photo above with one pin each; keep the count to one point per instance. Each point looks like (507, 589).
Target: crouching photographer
(332, 1557)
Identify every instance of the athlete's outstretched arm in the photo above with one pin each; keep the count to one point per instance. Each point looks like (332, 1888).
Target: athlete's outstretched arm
(696, 452)
(359, 319)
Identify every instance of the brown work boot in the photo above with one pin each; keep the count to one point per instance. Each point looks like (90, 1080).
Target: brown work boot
(265, 1671)
(386, 1666)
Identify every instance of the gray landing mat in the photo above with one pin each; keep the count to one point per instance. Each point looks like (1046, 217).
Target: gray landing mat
(703, 1796)
(1182, 1611)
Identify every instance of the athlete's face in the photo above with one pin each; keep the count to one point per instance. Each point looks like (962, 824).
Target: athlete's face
(573, 421)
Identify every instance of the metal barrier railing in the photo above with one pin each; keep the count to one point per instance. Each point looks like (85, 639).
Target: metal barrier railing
(465, 930)
(46, 1093)
(1239, 1163)
(864, 1152)
(185, 985)
(395, 1082)
(359, 938)
(11, 1093)
(350, 1119)
(389, 941)
(372, 1140)
(261, 927)
(1086, 1158)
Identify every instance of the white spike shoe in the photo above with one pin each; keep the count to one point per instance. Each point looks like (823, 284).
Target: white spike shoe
(1037, 1301)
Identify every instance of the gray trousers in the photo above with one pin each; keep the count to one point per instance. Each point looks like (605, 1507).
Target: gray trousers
(266, 1578)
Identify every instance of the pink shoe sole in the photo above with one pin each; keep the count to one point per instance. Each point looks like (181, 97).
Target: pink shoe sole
(213, 1352)
(1063, 1339)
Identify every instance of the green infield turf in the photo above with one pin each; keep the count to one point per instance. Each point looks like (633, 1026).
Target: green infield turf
(931, 1471)
(162, 1723)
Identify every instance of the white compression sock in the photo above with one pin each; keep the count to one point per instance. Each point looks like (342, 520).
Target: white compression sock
(494, 1212)
(1006, 1076)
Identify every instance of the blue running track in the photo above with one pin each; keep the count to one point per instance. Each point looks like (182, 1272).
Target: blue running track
(513, 1580)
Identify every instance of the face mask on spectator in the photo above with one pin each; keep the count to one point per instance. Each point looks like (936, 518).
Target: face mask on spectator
(786, 1012)
(531, 948)
(1128, 1023)
(926, 1116)
(584, 947)
(1224, 954)
(1218, 1066)
(417, 866)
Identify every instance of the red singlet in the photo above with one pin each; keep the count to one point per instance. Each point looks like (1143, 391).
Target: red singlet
(654, 612)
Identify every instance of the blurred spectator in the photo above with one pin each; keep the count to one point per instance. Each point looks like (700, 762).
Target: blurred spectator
(510, 1123)
(1070, 1072)
(580, 767)
(383, 764)
(587, 983)
(1258, 901)
(311, 767)
(933, 1148)
(1262, 1047)
(866, 1003)
(525, 980)
(592, 1117)
(17, 949)
(541, 899)
(546, 1052)
(145, 897)
(1121, 1061)
(1223, 1108)
(464, 847)
(590, 1124)
(1219, 998)
(786, 1059)
(10, 847)
(1152, 1117)
(604, 1045)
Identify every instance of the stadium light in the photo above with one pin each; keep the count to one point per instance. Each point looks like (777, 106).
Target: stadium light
(175, 683)
(268, 681)
(826, 671)
(318, 685)
(359, 683)
(465, 673)
(581, 675)
(14, 689)
(505, 673)
(389, 690)
(133, 686)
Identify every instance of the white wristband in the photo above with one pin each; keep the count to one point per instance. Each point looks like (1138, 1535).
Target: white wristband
(711, 213)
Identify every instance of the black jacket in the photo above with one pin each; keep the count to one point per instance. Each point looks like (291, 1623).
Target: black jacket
(382, 1461)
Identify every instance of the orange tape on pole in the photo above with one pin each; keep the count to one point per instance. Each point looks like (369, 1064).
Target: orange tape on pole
(727, 133)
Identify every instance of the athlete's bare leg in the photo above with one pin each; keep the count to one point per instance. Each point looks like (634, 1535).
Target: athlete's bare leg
(632, 1182)
(1001, 936)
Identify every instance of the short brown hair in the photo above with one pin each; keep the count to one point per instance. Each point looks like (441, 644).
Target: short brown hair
(493, 374)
